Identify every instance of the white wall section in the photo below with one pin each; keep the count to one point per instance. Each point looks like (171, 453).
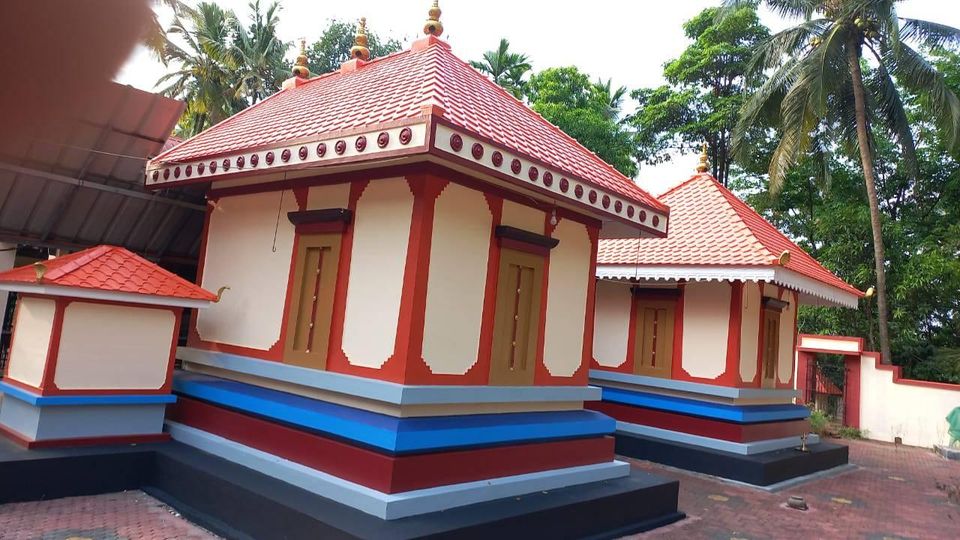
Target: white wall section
(105, 346)
(749, 331)
(31, 339)
(381, 232)
(611, 326)
(457, 280)
(332, 196)
(523, 217)
(241, 254)
(706, 322)
(569, 278)
(785, 357)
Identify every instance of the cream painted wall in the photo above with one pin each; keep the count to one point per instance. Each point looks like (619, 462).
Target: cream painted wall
(749, 330)
(31, 340)
(240, 254)
(457, 280)
(334, 196)
(786, 357)
(915, 413)
(105, 346)
(523, 217)
(611, 326)
(567, 298)
(706, 322)
(381, 231)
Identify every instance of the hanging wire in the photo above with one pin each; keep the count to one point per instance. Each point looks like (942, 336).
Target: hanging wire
(276, 227)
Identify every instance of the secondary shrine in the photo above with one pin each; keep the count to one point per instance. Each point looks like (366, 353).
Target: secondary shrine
(694, 340)
(407, 255)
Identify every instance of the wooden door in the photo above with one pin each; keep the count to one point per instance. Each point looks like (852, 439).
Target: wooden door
(653, 343)
(771, 347)
(311, 306)
(516, 326)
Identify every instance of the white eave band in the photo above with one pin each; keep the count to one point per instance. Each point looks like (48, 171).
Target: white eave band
(97, 294)
(819, 293)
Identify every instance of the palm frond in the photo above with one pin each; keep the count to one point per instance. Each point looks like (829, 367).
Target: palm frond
(885, 97)
(915, 73)
(929, 34)
(771, 52)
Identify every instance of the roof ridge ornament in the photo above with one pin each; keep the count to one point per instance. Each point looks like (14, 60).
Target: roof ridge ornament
(704, 165)
(300, 68)
(433, 26)
(359, 50)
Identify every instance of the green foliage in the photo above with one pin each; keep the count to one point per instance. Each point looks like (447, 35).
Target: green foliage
(506, 68)
(849, 432)
(566, 97)
(818, 422)
(333, 48)
(705, 91)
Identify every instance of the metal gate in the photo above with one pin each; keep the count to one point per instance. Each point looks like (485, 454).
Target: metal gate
(827, 377)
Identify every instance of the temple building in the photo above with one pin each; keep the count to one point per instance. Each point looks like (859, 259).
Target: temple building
(91, 359)
(694, 340)
(407, 257)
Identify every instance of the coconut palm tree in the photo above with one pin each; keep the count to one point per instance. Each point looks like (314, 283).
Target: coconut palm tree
(506, 68)
(258, 53)
(204, 72)
(611, 98)
(840, 71)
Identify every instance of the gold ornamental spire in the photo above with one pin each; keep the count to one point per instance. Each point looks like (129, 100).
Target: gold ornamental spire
(300, 68)
(433, 26)
(704, 165)
(359, 49)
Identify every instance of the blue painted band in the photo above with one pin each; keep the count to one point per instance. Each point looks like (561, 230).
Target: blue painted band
(743, 414)
(86, 399)
(389, 433)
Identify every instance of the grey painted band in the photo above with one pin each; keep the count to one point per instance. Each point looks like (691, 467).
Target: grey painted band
(394, 505)
(80, 421)
(388, 392)
(598, 376)
(744, 449)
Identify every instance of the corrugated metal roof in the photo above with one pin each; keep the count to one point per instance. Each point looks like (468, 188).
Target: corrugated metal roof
(79, 183)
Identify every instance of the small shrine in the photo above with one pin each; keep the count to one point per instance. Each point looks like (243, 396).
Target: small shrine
(408, 256)
(94, 340)
(694, 340)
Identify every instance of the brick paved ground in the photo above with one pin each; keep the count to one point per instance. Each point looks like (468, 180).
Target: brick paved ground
(131, 515)
(893, 495)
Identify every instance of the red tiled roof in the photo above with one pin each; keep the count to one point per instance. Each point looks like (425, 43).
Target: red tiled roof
(710, 226)
(171, 141)
(394, 88)
(112, 269)
(826, 386)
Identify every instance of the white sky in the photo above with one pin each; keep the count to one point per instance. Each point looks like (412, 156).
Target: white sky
(628, 41)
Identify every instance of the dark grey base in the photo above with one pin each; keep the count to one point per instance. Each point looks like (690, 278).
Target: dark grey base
(238, 502)
(758, 469)
(948, 452)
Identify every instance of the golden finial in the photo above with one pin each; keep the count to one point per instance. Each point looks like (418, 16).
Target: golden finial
(704, 165)
(300, 68)
(40, 270)
(784, 258)
(433, 27)
(359, 49)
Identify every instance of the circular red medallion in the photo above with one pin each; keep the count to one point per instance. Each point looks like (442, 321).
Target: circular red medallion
(321, 149)
(564, 185)
(269, 158)
(476, 150)
(656, 221)
(515, 166)
(605, 201)
(547, 179)
(176, 172)
(226, 164)
(456, 142)
(630, 211)
(533, 173)
(578, 191)
(254, 160)
(617, 206)
(200, 168)
(340, 147)
(643, 216)
(360, 143)
(213, 167)
(406, 135)
(383, 139)
(285, 155)
(156, 175)
(188, 171)
(240, 162)
(497, 159)
(166, 174)
(303, 152)
(592, 196)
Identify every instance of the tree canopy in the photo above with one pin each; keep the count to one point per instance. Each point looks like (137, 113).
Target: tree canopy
(333, 48)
